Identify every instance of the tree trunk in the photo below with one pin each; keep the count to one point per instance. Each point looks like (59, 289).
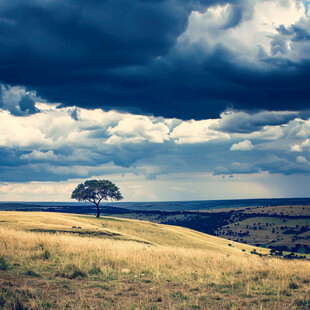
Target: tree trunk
(98, 210)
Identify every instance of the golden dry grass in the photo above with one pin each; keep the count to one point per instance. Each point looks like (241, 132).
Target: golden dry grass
(167, 267)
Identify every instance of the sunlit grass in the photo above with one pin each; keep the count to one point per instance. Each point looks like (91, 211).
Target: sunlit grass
(168, 268)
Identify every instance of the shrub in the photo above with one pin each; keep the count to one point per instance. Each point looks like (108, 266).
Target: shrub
(179, 295)
(71, 271)
(46, 254)
(2, 301)
(293, 285)
(94, 270)
(17, 304)
(4, 265)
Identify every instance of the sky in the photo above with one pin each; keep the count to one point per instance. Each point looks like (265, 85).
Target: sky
(170, 100)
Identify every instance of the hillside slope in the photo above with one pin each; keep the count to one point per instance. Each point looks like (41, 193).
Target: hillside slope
(56, 261)
(117, 229)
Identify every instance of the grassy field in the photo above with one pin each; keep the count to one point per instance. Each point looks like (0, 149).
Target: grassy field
(268, 231)
(61, 261)
(280, 226)
(303, 210)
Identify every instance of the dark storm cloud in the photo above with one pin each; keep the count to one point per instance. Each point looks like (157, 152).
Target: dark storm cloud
(123, 54)
(9, 157)
(27, 105)
(241, 122)
(299, 32)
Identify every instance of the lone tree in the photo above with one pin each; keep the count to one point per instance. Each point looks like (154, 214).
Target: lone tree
(96, 190)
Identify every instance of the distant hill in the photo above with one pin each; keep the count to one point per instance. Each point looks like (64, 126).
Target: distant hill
(162, 205)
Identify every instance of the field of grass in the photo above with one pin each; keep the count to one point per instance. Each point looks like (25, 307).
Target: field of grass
(284, 232)
(278, 227)
(62, 261)
(296, 210)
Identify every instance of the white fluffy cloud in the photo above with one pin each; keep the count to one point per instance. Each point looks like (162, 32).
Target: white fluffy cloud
(64, 143)
(301, 159)
(245, 145)
(197, 132)
(137, 129)
(255, 35)
(40, 135)
(22, 131)
(300, 147)
(40, 155)
(17, 100)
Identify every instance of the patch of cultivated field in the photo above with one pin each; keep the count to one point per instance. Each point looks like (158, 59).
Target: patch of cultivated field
(57, 261)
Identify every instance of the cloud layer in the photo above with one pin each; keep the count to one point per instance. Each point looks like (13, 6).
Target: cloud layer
(171, 58)
(58, 144)
(175, 94)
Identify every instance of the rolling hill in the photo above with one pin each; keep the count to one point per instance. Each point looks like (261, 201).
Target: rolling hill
(57, 261)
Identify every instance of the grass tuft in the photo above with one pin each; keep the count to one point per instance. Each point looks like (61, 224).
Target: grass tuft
(46, 254)
(4, 265)
(95, 270)
(293, 285)
(71, 271)
(32, 273)
(2, 301)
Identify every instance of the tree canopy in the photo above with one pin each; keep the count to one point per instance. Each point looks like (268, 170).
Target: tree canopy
(95, 191)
